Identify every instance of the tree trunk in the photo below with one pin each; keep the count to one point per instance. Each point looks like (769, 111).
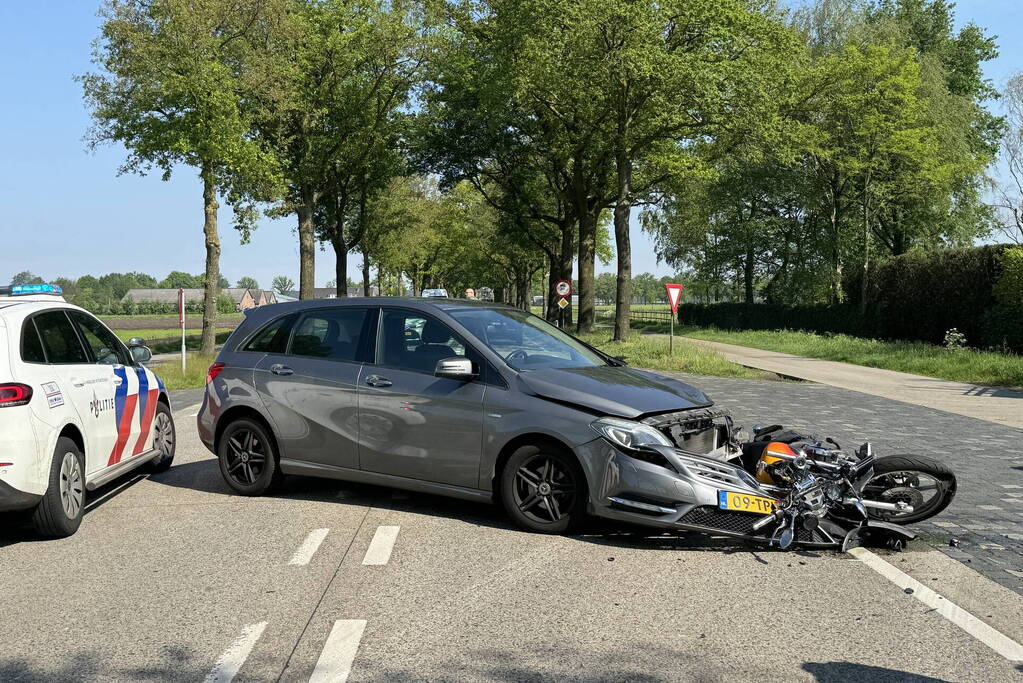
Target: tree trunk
(306, 245)
(623, 211)
(365, 273)
(212, 289)
(340, 261)
(747, 273)
(866, 244)
(836, 248)
(553, 275)
(587, 256)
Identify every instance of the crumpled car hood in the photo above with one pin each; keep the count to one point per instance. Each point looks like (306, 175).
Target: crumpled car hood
(620, 391)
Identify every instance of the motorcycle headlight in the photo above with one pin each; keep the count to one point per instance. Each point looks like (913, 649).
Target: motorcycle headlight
(629, 435)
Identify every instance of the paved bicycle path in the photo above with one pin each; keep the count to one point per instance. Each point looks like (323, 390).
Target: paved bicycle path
(994, 404)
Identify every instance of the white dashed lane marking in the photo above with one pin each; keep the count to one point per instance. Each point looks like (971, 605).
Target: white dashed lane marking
(994, 639)
(309, 547)
(234, 656)
(335, 662)
(379, 551)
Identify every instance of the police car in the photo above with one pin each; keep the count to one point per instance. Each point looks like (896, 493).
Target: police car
(77, 408)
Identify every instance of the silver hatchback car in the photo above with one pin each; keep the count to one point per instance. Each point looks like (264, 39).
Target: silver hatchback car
(462, 398)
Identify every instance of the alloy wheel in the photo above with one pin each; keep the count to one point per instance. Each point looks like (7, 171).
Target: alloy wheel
(72, 492)
(545, 488)
(246, 457)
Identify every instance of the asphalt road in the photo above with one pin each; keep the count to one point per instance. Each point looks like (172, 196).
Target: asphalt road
(171, 577)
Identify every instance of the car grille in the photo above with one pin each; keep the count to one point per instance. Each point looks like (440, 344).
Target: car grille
(732, 522)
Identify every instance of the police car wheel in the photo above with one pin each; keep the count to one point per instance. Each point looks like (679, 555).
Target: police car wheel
(248, 459)
(59, 513)
(164, 438)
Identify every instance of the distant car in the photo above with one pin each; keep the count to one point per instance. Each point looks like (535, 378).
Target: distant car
(455, 397)
(77, 408)
(435, 293)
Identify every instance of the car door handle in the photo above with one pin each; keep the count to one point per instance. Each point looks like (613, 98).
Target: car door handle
(279, 369)
(378, 381)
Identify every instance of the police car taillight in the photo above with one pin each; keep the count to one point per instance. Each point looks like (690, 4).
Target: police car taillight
(214, 370)
(14, 394)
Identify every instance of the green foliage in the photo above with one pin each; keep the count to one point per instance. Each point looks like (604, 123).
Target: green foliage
(247, 283)
(963, 365)
(282, 284)
(26, 277)
(1009, 287)
(916, 296)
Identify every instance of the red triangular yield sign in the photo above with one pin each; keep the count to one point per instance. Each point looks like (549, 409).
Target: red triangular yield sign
(674, 295)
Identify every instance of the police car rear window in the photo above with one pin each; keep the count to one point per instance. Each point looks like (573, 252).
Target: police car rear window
(31, 345)
(59, 338)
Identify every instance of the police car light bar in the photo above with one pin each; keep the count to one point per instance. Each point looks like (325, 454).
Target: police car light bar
(18, 290)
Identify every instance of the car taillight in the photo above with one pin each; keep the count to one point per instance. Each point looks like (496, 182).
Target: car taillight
(214, 370)
(14, 394)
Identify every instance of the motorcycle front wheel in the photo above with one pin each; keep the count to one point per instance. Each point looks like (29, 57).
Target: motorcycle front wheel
(926, 484)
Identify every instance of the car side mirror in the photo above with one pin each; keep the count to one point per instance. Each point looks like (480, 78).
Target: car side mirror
(140, 354)
(456, 367)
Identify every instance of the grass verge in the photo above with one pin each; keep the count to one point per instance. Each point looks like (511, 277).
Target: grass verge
(163, 333)
(959, 365)
(651, 353)
(194, 375)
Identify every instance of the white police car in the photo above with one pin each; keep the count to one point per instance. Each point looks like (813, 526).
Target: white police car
(77, 408)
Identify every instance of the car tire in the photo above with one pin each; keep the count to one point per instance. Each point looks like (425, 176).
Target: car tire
(248, 458)
(164, 438)
(59, 513)
(543, 489)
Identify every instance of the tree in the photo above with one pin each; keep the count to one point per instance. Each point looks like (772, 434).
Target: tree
(247, 283)
(283, 284)
(1010, 193)
(177, 279)
(26, 277)
(671, 74)
(175, 87)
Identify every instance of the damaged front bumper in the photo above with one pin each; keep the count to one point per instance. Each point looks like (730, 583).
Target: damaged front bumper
(680, 493)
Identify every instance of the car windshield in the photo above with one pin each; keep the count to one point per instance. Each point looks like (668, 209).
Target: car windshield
(525, 341)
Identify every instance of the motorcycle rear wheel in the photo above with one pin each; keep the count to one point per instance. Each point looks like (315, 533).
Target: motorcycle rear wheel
(926, 484)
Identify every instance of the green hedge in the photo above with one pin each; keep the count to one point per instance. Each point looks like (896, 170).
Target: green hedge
(917, 297)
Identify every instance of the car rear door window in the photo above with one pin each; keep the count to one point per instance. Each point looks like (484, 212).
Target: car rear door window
(59, 338)
(31, 344)
(273, 338)
(105, 348)
(333, 333)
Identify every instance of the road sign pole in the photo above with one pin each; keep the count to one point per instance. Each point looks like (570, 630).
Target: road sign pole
(671, 337)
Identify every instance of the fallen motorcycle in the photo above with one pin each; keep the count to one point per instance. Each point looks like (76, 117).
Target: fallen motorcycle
(788, 489)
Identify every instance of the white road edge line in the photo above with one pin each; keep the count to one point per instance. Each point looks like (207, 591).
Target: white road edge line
(234, 656)
(994, 639)
(309, 547)
(335, 662)
(379, 551)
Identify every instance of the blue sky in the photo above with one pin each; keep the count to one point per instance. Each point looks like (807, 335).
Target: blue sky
(66, 212)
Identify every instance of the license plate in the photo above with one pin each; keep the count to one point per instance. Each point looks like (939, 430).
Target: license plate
(730, 500)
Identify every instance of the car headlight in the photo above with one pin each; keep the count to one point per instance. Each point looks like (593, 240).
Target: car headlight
(629, 435)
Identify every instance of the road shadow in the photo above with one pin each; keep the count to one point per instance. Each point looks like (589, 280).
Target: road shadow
(18, 525)
(204, 475)
(842, 672)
